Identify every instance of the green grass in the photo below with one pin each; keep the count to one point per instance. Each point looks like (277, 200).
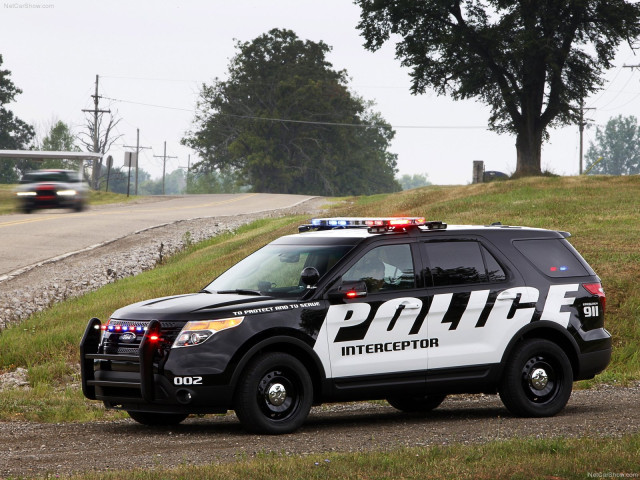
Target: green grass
(520, 459)
(8, 203)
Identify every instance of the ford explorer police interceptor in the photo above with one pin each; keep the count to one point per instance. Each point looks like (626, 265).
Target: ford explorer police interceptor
(352, 309)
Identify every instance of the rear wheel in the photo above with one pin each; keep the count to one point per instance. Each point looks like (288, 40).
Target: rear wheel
(274, 394)
(157, 419)
(416, 404)
(538, 379)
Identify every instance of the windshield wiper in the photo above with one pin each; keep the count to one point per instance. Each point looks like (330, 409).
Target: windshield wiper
(241, 291)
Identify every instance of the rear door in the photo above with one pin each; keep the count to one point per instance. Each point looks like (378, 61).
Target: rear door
(477, 301)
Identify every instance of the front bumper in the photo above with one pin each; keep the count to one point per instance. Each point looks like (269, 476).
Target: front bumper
(137, 382)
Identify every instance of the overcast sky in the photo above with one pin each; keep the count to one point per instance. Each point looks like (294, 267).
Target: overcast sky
(152, 57)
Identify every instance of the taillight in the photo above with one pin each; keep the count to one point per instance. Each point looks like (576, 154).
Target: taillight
(596, 289)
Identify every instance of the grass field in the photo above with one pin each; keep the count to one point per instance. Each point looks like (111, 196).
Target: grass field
(602, 213)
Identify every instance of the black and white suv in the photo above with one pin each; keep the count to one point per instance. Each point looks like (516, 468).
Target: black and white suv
(353, 309)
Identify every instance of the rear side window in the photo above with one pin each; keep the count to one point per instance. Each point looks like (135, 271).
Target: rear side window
(554, 257)
(461, 263)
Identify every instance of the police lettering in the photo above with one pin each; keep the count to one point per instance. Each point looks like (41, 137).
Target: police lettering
(389, 346)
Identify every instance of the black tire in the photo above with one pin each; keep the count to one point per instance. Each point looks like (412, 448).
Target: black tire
(158, 419)
(537, 380)
(416, 404)
(274, 394)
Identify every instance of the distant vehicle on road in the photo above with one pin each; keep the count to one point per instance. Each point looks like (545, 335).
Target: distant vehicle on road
(52, 189)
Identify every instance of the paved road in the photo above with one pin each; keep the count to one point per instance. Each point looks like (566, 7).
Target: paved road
(29, 239)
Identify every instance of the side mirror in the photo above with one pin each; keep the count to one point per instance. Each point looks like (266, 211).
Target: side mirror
(310, 276)
(349, 291)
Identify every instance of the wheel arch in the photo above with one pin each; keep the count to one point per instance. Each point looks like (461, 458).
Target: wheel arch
(545, 330)
(286, 344)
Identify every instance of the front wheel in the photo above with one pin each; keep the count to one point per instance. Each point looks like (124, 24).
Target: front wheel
(416, 404)
(274, 394)
(538, 379)
(157, 419)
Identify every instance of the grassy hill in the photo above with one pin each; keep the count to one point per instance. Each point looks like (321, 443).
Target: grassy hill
(602, 213)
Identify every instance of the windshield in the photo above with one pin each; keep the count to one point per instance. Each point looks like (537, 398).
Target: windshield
(52, 176)
(275, 269)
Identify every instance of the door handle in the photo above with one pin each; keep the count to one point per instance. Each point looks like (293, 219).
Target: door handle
(410, 305)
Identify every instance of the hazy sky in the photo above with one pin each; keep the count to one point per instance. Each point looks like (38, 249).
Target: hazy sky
(152, 57)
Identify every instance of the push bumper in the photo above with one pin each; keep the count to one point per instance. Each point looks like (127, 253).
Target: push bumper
(137, 385)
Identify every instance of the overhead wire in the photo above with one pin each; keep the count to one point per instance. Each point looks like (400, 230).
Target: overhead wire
(308, 122)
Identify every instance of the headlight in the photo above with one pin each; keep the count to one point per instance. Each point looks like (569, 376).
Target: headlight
(67, 193)
(196, 333)
(26, 194)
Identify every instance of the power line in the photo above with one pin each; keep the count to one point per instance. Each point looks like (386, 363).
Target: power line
(310, 122)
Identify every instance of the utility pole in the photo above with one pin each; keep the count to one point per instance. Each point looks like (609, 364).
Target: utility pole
(581, 128)
(164, 163)
(138, 148)
(96, 133)
(188, 171)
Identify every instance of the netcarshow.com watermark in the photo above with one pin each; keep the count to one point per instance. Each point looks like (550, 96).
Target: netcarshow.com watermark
(612, 475)
(29, 6)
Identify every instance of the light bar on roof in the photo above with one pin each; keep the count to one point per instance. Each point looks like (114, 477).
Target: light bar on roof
(375, 225)
(339, 222)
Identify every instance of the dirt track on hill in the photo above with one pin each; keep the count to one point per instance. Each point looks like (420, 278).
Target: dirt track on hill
(30, 449)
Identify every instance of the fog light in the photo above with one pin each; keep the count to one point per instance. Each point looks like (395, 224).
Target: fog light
(184, 396)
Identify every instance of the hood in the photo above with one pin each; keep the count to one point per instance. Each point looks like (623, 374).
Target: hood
(193, 306)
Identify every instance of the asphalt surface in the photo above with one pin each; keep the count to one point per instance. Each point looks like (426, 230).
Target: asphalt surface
(27, 239)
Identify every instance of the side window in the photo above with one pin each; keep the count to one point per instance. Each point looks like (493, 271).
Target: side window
(553, 257)
(385, 268)
(460, 263)
(494, 270)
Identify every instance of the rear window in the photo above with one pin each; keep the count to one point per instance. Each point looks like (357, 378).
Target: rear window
(461, 262)
(554, 257)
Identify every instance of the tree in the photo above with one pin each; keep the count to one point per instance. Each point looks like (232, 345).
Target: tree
(59, 139)
(285, 122)
(532, 61)
(414, 181)
(223, 181)
(617, 148)
(14, 133)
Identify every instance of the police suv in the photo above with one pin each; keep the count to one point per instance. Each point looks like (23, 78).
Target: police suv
(352, 309)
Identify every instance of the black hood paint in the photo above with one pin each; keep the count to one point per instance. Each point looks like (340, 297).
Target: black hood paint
(195, 306)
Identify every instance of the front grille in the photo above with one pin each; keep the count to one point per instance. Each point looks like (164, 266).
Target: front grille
(120, 339)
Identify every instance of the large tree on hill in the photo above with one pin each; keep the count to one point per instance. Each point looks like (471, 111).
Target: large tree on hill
(284, 121)
(14, 133)
(532, 61)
